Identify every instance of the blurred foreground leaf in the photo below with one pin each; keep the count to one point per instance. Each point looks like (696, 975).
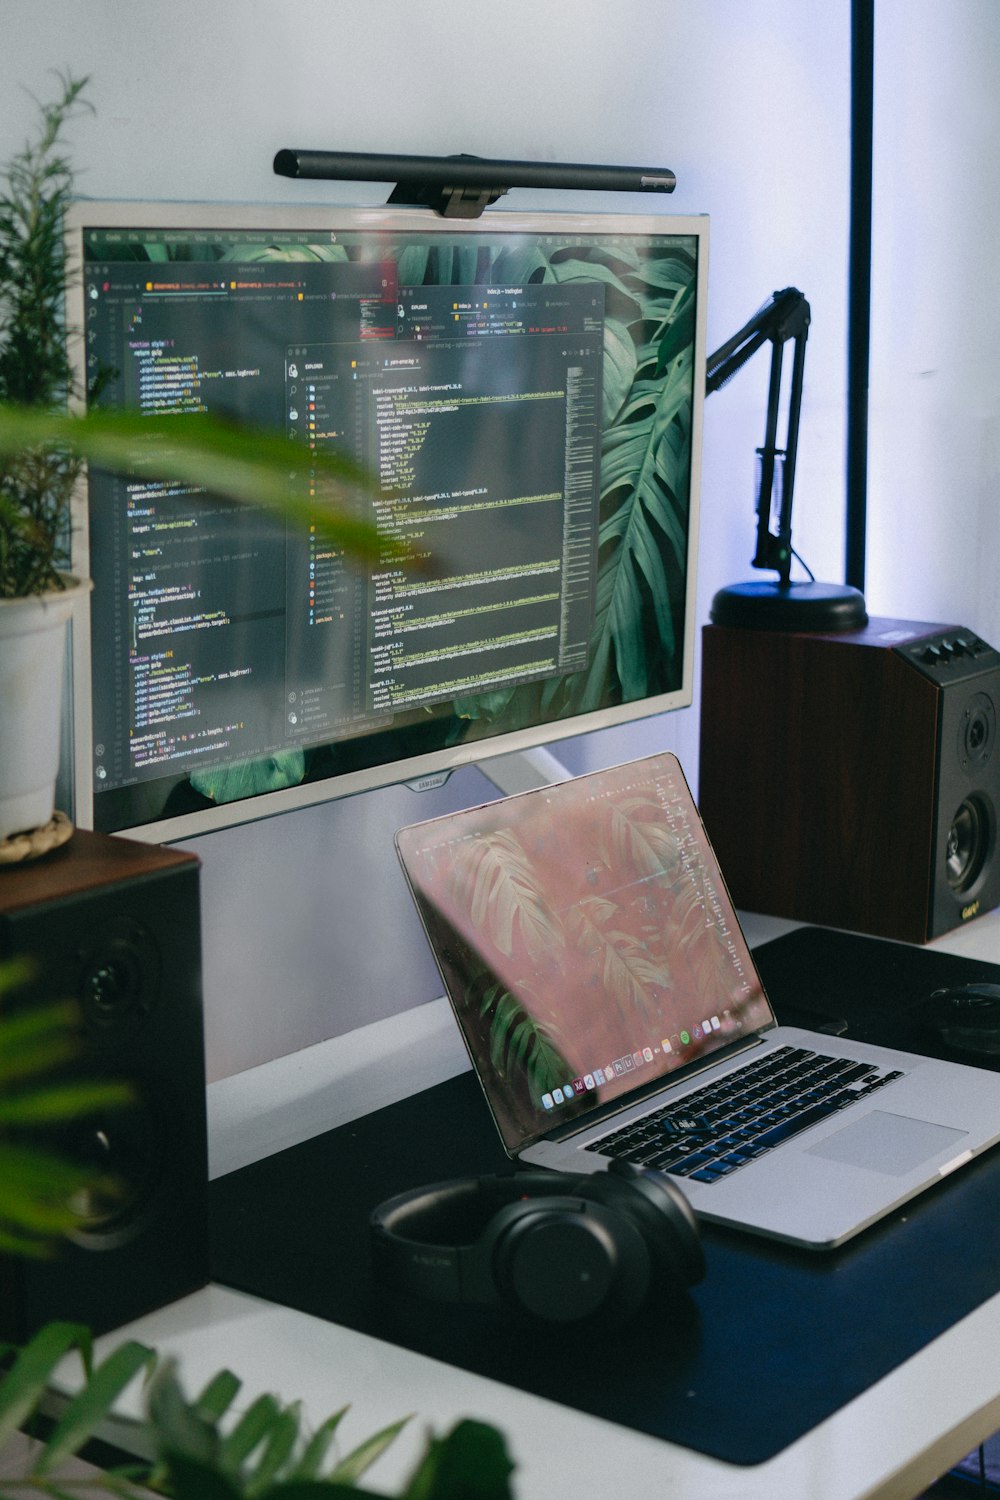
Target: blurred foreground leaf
(235, 463)
(211, 1448)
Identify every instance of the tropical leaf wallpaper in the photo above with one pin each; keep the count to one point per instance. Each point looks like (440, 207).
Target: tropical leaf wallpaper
(577, 926)
(636, 641)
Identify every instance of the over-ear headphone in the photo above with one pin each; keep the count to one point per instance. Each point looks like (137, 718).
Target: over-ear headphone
(559, 1247)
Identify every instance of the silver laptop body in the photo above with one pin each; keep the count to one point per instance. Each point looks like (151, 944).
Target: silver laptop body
(605, 994)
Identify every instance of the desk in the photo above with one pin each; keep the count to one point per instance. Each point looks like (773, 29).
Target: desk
(892, 1441)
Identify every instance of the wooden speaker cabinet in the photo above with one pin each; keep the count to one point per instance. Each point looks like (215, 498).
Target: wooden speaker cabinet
(853, 779)
(114, 925)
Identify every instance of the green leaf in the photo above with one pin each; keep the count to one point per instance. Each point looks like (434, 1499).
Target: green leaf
(635, 838)
(183, 1431)
(35, 1038)
(262, 253)
(194, 1479)
(24, 1383)
(25, 1058)
(311, 1461)
(645, 475)
(628, 972)
(63, 1101)
(412, 265)
(678, 336)
(620, 363)
(470, 1462)
(276, 1450)
(638, 538)
(351, 1467)
(589, 271)
(252, 1428)
(671, 271)
(15, 971)
(218, 1395)
(251, 778)
(122, 1480)
(92, 1404)
(312, 1489)
(26, 1245)
(505, 901)
(233, 462)
(36, 1193)
(521, 264)
(487, 706)
(520, 1042)
(54, 1491)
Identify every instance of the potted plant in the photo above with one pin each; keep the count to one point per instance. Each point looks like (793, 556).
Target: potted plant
(43, 446)
(36, 484)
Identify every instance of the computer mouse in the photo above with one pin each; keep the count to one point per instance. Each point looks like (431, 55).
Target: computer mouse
(967, 1016)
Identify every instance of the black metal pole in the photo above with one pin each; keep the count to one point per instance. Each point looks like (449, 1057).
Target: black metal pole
(859, 286)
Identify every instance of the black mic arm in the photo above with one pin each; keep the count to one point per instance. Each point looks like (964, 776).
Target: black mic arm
(785, 316)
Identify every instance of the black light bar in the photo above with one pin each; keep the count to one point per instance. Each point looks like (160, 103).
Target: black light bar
(462, 186)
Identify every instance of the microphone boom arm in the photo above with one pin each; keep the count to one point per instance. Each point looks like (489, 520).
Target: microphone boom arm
(785, 316)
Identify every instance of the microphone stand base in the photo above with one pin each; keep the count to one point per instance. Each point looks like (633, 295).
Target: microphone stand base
(771, 605)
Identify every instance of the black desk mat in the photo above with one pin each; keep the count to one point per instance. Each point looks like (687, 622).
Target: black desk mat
(771, 1343)
(879, 988)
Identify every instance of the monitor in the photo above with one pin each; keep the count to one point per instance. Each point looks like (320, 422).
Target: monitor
(524, 392)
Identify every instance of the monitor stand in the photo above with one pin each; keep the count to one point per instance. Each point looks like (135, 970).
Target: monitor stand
(523, 770)
(517, 771)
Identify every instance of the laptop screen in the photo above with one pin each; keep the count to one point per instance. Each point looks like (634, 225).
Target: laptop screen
(586, 940)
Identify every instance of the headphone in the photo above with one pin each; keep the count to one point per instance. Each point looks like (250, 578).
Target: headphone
(561, 1248)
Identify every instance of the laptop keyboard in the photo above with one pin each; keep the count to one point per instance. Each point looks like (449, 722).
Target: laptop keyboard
(724, 1125)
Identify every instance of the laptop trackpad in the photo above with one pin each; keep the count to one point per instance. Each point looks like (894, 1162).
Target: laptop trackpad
(887, 1143)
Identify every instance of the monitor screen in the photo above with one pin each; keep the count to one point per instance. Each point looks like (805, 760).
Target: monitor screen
(524, 392)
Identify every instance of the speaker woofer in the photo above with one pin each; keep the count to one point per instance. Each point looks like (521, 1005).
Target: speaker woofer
(124, 1152)
(970, 842)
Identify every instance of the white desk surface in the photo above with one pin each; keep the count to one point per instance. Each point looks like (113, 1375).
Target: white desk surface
(890, 1442)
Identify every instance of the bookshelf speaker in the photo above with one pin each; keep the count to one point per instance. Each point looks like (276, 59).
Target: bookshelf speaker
(114, 925)
(853, 779)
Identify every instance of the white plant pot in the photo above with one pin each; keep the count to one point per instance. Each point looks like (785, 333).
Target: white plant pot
(32, 649)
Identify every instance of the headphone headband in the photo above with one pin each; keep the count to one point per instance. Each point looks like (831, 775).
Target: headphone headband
(560, 1247)
(429, 1240)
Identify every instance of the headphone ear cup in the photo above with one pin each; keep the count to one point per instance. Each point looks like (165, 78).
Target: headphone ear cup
(662, 1214)
(564, 1262)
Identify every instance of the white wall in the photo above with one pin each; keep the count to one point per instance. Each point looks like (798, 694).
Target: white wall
(749, 104)
(934, 538)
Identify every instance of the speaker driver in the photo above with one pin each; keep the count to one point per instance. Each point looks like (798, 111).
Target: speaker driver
(123, 1150)
(970, 839)
(977, 733)
(119, 980)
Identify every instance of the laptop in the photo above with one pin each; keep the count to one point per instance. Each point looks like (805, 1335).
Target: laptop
(611, 1008)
